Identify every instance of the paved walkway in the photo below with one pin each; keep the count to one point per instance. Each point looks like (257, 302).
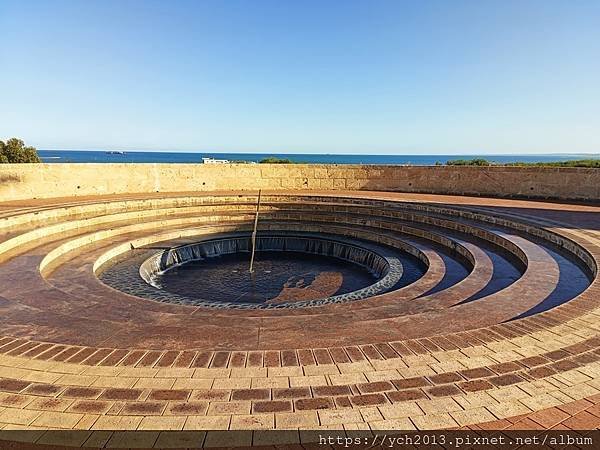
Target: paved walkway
(76, 354)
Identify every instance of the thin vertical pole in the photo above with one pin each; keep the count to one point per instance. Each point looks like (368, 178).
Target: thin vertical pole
(254, 232)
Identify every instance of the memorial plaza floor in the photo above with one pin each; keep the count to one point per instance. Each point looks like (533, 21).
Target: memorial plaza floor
(501, 330)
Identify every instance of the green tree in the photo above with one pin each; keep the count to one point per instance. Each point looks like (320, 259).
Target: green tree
(14, 151)
(276, 160)
(469, 162)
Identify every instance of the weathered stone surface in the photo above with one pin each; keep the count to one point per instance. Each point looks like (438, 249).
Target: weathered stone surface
(22, 181)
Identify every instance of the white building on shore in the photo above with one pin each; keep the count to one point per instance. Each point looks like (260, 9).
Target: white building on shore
(214, 161)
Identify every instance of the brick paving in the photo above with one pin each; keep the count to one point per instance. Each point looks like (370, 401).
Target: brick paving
(105, 360)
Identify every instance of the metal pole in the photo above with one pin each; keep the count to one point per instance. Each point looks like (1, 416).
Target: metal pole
(254, 232)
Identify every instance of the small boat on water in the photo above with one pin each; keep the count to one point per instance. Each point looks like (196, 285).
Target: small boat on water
(115, 152)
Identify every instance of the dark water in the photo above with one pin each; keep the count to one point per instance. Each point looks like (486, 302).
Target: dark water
(88, 156)
(278, 277)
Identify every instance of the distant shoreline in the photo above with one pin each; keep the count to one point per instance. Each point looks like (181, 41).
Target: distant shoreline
(92, 156)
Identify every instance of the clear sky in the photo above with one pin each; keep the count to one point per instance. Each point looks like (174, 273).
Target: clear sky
(373, 77)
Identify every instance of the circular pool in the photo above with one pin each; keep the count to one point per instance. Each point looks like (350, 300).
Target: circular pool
(290, 270)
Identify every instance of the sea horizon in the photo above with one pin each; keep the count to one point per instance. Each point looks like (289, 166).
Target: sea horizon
(178, 157)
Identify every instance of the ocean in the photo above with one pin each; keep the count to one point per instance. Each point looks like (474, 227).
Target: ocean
(94, 156)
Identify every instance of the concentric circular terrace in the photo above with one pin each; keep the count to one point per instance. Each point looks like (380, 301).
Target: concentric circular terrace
(499, 331)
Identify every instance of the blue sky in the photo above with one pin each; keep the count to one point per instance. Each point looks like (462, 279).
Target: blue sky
(373, 77)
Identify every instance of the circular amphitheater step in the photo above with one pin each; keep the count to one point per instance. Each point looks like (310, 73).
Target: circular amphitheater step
(496, 318)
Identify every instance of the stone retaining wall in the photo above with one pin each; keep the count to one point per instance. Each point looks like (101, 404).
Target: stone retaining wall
(25, 181)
